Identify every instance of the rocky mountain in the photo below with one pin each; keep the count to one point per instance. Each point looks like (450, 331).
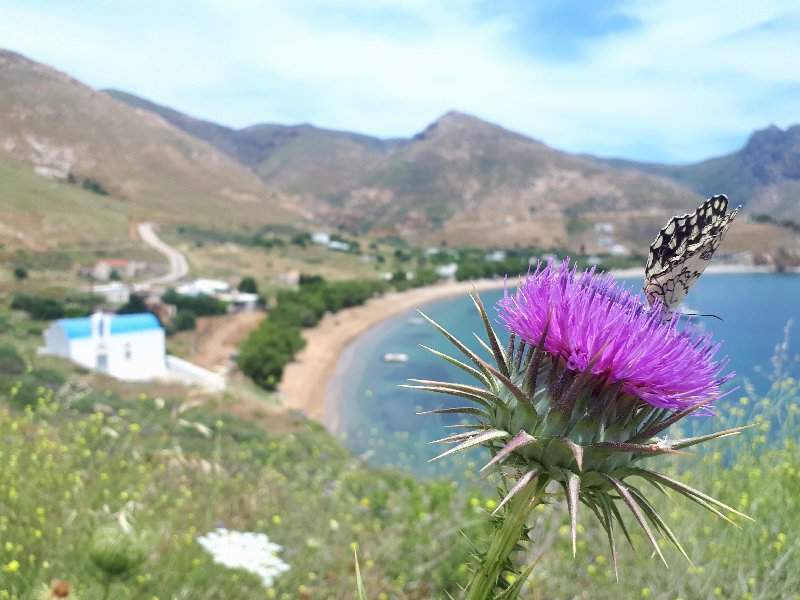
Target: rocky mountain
(461, 179)
(68, 132)
(764, 175)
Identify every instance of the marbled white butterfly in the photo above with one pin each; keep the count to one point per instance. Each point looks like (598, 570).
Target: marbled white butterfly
(681, 252)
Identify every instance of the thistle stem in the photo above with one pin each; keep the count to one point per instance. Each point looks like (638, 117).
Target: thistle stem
(504, 539)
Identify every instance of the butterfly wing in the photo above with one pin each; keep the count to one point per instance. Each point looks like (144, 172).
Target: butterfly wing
(682, 250)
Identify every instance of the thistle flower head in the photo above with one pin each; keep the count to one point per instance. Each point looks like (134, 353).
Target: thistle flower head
(592, 323)
(578, 396)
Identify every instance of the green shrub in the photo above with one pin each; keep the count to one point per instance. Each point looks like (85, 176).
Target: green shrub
(134, 305)
(38, 307)
(11, 363)
(185, 320)
(268, 350)
(202, 305)
(248, 285)
(49, 377)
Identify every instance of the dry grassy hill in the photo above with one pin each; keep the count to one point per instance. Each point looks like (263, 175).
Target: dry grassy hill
(462, 179)
(61, 130)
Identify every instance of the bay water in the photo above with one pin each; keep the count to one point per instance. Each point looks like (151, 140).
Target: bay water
(378, 420)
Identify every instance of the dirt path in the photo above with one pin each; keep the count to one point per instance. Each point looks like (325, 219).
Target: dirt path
(178, 266)
(216, 338)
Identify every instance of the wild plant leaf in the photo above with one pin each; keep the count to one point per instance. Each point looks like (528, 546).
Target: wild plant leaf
(481, 438)
(523, 438)
(461, 365)
(572, 487)
(656, 519)
(455, 341)
(513, 591)
(462, 410)
(510, 386)
(685, 489)
(361, 593)
(499, 356)
(687, 442)
(622, 490)
(526, 479)
(450, 392)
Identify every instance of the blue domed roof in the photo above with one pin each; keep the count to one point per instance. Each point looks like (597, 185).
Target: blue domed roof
(82, 327)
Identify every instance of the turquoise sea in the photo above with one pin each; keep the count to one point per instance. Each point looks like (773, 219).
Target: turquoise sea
(378, 420)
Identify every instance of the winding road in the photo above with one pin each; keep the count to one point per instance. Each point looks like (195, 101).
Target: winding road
(178, 266)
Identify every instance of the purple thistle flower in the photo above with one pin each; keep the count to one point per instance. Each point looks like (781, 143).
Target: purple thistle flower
(587, 382)
(595, 322)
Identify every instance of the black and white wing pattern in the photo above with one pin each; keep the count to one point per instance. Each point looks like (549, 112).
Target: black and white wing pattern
(682, 250)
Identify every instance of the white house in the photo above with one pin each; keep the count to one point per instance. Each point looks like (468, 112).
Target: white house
(321, 238)
(239, 301)
(114, 292)
(209, 287)
(447, 271)
(127, 347)
(338, 246)
(496, 256)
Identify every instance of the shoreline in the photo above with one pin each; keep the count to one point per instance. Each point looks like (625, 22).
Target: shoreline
(310, 383)
(307, 380)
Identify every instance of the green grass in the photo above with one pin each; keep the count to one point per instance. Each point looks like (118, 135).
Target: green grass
(71, 470)
(756, 472)
(55, 211)
(75, 456)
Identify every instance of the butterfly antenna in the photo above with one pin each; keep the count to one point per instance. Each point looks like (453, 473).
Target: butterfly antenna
(703, 315)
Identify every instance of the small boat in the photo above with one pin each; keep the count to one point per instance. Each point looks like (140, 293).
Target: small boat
(395, 357)
(415, 321)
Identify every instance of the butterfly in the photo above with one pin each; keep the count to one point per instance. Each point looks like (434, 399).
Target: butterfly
(682, 250)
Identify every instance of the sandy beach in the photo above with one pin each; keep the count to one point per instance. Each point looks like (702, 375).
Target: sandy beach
(306, 381)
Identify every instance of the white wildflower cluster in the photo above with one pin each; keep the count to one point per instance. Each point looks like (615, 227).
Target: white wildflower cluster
(246, 550)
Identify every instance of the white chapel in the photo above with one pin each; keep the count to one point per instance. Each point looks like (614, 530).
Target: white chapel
(130, 347)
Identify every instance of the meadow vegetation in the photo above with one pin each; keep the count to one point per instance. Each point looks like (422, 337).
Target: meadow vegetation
(78, 459)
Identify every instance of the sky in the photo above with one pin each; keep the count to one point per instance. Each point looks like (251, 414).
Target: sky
(672, 81)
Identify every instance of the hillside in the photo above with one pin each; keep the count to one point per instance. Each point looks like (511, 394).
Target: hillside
(461, 179)
(765, 173)
(478, 181)
(142, 166)
(299, 159)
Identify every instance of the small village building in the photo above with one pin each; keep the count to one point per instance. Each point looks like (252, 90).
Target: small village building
(130, 347)
(447, 271)
(495, 256)
(321, 238)
(103, 269)
(239, 301)
(289, 277)
(114, 292)
(208, 287)
(338, 246)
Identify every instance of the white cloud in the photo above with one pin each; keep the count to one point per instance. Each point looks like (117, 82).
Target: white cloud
(691, 81)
